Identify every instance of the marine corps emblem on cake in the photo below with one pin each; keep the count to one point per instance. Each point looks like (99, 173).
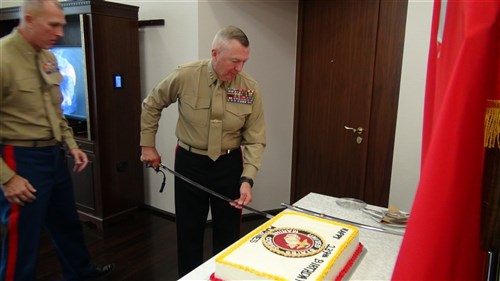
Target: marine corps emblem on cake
(292, 242)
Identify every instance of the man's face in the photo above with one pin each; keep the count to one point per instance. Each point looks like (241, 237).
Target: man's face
(228, 61)
(45, 27)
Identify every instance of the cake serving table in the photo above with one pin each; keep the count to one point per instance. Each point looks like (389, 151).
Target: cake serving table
(380, 248)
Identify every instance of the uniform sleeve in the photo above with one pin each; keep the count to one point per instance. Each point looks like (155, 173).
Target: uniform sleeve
(67, 134)
(254, 138)
(6, 173)
(164, 94)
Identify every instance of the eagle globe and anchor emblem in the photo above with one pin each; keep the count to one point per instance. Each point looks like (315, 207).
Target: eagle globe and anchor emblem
(292, 242)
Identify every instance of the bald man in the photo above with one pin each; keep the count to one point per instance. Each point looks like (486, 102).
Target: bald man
(37, 191)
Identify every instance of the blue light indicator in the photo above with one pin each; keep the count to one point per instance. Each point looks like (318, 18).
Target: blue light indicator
(117, 81)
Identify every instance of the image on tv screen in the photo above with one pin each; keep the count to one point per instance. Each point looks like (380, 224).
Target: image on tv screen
(73, 88)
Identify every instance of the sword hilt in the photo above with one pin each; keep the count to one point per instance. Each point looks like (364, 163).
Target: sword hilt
(157, 170)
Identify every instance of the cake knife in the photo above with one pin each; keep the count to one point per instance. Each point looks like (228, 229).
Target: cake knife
(207, 190)
(362, 225)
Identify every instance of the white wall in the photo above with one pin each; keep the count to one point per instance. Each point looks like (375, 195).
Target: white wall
(162, 49)
(10, 3)
(407, 147)
(271, 26)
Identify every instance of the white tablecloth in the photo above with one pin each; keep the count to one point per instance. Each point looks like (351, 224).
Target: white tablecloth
(381, 249)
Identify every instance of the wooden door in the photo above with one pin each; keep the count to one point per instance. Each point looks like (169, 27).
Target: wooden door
(348, 73)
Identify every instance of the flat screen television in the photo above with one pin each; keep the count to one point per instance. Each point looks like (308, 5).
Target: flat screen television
(70, 61)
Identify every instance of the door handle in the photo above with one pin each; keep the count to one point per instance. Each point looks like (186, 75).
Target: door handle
(358, 130)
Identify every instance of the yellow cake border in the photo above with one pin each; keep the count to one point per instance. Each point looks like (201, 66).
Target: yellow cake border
(232, 248)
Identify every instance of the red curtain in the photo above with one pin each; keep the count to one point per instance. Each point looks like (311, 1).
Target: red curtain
(442, 239)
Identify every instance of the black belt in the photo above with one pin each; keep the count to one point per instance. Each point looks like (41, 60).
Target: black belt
(30, 143)
(201, 151)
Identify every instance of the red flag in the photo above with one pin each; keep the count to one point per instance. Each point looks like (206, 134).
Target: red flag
(442, 239)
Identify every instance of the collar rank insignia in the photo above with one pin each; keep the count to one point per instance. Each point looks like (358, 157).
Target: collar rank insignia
(237, 95)
(50, 67)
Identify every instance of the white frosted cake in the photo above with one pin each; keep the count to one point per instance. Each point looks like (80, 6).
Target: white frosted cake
(291, 246)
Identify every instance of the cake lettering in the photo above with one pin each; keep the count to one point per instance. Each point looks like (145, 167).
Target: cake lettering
(341, 233)
(286, 230)
(308, 270)
(328, 250)
(257, 237)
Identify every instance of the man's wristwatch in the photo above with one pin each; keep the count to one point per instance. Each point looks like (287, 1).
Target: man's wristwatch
(246, 179)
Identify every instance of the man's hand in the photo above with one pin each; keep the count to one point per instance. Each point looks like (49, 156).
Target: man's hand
(80, 158)
(150, 156)
(18, 190)
(245, 196)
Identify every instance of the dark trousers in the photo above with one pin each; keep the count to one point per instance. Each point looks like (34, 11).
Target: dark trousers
(192, 204)
(54, 209)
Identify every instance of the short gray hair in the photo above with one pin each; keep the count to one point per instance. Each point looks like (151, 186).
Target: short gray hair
(230, 33)
(34, 6)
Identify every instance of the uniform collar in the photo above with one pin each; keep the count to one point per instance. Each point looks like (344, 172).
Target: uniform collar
(24, 46)
(213, 79)
(212, 76)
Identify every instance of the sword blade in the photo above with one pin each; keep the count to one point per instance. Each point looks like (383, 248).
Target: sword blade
(211, 192)
(321, 215)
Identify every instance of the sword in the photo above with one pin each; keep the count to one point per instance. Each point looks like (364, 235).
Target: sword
(207, 190)
(321, 215)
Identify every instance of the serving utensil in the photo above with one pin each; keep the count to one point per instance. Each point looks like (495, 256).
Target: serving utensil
(333, 218)
(387, 217)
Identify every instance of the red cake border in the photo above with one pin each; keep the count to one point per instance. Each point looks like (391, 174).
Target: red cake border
(213, 278)
(351, 261)
(342, 273)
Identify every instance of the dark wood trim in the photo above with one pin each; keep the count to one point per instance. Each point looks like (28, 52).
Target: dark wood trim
(490, 211)
(100, 7)
(11, 13)
(146, 23)
(388, 64)
(295, 137)
(162, 213)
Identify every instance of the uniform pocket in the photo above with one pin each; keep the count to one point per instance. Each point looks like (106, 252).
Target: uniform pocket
(196, 110)
(236, 114)
(28, 93)
(30, 85)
